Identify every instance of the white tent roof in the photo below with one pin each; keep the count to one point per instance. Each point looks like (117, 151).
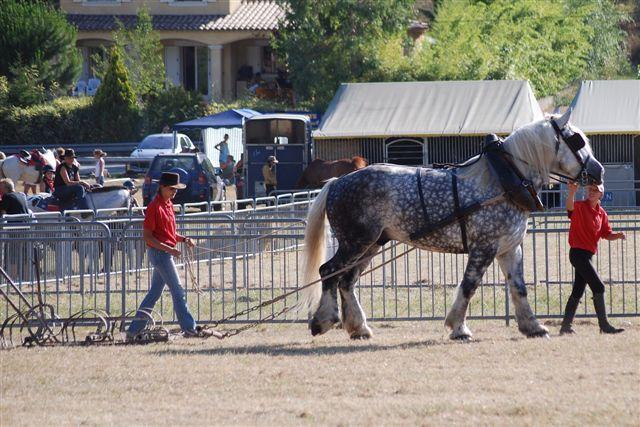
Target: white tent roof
(429, 109)
(607, 106)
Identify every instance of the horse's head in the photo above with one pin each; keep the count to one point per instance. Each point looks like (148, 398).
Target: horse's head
(574, 159)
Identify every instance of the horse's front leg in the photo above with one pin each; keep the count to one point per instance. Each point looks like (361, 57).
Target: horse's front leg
(511, 266)
(479, 261)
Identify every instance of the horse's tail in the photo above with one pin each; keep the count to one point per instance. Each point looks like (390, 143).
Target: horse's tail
(314, 251)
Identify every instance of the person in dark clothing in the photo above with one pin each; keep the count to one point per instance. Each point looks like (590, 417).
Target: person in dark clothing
(11, 203)
(589, 223)
(67, 183)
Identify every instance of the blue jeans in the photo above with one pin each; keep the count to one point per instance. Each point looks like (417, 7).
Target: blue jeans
(70, 194)
(164, 272)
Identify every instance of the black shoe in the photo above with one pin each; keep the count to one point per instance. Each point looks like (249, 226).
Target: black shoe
(567, 330)
(569, 314)
(601, 312)
(608, 329)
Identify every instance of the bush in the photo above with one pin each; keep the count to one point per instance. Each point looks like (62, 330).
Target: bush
(4, 91)
(25, 89)
(60, 122)
(171, 106)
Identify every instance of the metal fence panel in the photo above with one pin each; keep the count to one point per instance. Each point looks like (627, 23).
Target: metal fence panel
(246, 257)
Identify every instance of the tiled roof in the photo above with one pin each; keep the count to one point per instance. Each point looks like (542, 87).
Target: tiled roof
(251, 15)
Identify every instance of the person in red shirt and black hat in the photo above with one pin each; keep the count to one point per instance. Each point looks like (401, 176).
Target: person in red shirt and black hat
(589, 223)
(161, 237)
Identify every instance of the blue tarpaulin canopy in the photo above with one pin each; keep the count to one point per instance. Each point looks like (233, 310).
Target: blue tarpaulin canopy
(226, 119)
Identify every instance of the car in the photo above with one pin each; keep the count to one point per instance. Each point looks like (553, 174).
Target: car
(158, 143)
(196, 171)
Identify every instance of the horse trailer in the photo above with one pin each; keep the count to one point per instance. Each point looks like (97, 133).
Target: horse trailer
(285, 136)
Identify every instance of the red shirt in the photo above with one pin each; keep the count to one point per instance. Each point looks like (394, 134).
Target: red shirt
(588, 225)
(161, 221)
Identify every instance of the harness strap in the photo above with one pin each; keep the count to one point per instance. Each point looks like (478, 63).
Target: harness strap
(457, 212)
(420, 193)
(451, 219)
(508, 158)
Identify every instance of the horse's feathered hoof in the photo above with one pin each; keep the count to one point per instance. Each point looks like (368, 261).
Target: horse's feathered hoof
(539, 334)
(461, 338)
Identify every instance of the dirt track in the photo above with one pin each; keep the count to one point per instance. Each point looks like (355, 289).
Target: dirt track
(409, 373)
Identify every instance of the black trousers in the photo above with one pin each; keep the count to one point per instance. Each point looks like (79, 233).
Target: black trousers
(585, 273)
(269, 188)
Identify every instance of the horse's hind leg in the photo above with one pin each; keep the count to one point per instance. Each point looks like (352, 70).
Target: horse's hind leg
(327, 313)
(511, 265)
(354, 320)
(479, 261)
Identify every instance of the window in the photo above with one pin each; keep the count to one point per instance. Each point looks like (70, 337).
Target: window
(405, 151)
(195, 69)
(157, 142)
(270, 63)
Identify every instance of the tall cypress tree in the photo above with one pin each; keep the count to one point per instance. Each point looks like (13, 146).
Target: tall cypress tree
(115, 104)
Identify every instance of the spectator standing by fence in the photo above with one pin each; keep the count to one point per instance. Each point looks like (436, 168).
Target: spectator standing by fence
(269, 175)
(223, 147)
(238, 171)
(100, 170)
(589, 223)
(161, 237)
(228, 170)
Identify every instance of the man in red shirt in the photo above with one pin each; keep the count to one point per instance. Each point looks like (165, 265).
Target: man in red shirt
(589, 223)
(161, 238)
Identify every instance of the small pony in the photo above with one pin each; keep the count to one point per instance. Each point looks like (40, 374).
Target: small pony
(319, 171)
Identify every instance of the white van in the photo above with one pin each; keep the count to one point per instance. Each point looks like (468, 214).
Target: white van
(158, 143)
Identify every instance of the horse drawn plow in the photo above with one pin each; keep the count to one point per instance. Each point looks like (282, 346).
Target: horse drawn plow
(39, 325)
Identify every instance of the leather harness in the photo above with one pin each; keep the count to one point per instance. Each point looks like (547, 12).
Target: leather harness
(517, 189)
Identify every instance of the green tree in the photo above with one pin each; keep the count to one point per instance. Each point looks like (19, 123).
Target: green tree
(607, 57)
(541, 41)
(37, 38)
(171, 106)
(141, 51)
(327, 42)
(115, 104)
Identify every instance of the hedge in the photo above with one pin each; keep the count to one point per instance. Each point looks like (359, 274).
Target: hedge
(69, 120)
(62, 121)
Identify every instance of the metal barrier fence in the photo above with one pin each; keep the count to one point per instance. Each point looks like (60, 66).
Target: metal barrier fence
(245, 257)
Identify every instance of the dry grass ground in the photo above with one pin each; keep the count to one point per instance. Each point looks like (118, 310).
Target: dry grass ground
(409, 374)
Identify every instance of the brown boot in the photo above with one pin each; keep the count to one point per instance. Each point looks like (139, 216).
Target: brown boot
(569, 313)
(601, 312)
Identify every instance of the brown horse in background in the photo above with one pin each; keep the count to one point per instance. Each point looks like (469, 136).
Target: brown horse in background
(319, 171)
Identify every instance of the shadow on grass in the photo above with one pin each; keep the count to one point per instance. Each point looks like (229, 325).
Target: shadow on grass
(303, 349)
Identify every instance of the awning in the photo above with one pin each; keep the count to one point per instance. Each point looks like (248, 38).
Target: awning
(429, 109)
(226, 119)
(607, 106)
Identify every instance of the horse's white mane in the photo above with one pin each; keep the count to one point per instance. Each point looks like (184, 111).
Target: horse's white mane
(534, 143)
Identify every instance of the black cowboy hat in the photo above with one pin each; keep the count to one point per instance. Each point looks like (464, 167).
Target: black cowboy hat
(69, 152)
(171, 179)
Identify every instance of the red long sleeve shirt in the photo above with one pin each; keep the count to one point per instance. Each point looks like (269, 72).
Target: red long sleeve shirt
(588, 225)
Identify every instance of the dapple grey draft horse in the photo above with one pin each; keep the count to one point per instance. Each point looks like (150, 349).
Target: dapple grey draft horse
(374, 205)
